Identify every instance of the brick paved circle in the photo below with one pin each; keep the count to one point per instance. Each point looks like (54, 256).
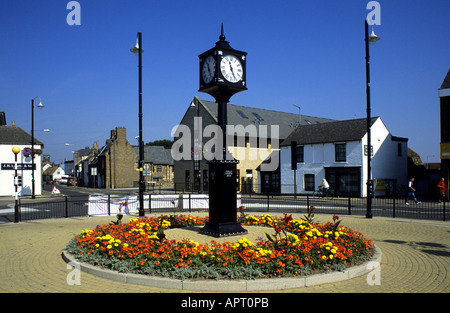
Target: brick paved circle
(416, 257)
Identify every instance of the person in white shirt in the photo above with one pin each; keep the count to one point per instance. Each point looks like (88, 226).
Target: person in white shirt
(324, 186)
(410, 192)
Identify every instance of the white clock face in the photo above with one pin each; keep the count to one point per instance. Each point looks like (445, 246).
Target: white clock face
(208, 69)
(231, 68)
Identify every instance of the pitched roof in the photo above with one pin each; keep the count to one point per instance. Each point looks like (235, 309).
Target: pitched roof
(241, 115)
(446, 82)
(16, 136)
(51, 170)
(338, 131)
(156, 155)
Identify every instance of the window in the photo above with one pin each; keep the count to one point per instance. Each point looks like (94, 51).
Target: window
(300, 154)
(309, 182)
(399, 149)
(159, 168)
(344, 180)
(242, 114)
(340, 153)
(187, 177)
(258, 116)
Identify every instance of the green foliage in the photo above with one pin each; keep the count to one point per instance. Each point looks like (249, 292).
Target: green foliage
(166, 143)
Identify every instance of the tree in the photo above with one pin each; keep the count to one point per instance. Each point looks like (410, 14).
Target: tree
(166, 143)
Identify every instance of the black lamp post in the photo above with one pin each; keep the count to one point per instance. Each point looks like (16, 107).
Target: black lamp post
(372, 38)
(16, 151)
(40, 106)
(137, 50)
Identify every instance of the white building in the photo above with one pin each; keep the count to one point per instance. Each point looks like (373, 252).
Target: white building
(55, 172)
(337, 151)
(11, 136)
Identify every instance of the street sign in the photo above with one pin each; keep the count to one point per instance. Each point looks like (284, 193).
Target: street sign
(55, 191)
(20, 166)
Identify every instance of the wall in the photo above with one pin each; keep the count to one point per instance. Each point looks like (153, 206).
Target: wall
(120, 162)
(385, 162)
(316, 158)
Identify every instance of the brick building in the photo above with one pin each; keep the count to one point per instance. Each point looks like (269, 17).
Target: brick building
(158, 164)
(115, 164)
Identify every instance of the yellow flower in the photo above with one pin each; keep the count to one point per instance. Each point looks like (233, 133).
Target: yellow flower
(324, 257)
(109, 246)
(263, 252)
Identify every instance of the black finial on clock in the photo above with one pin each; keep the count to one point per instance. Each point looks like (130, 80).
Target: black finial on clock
(222, 36)
(222, 43)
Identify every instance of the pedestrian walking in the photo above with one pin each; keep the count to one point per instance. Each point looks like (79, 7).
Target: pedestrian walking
(411, 191)
(441, 189)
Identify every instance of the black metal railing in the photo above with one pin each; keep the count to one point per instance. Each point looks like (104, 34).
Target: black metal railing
(386, 207)
(64, 206)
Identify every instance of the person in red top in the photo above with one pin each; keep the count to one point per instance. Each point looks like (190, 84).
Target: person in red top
(441, 187)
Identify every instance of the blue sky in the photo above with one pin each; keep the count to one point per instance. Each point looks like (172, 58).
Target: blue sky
(307, 53)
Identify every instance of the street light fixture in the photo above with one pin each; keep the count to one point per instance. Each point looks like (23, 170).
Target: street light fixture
(137, 50)
(372, 37)
(40, 106)
(369, 39)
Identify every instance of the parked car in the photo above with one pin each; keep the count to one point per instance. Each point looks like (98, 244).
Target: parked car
(49, 181)
(72, 181)
(64, 179)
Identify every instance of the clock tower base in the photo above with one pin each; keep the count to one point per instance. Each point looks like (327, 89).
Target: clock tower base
(222, 200)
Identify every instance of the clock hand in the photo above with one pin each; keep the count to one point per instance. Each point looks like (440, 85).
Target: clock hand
(231, 68)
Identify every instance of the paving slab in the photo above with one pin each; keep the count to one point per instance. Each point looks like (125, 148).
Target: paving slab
(415, 258)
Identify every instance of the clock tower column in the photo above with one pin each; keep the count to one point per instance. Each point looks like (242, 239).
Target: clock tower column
(222, 74)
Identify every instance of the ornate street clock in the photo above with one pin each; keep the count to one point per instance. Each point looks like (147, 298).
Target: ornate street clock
(222, 74)
(222, 70)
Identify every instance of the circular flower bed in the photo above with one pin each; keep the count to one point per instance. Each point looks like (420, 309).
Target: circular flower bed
(291, 247)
